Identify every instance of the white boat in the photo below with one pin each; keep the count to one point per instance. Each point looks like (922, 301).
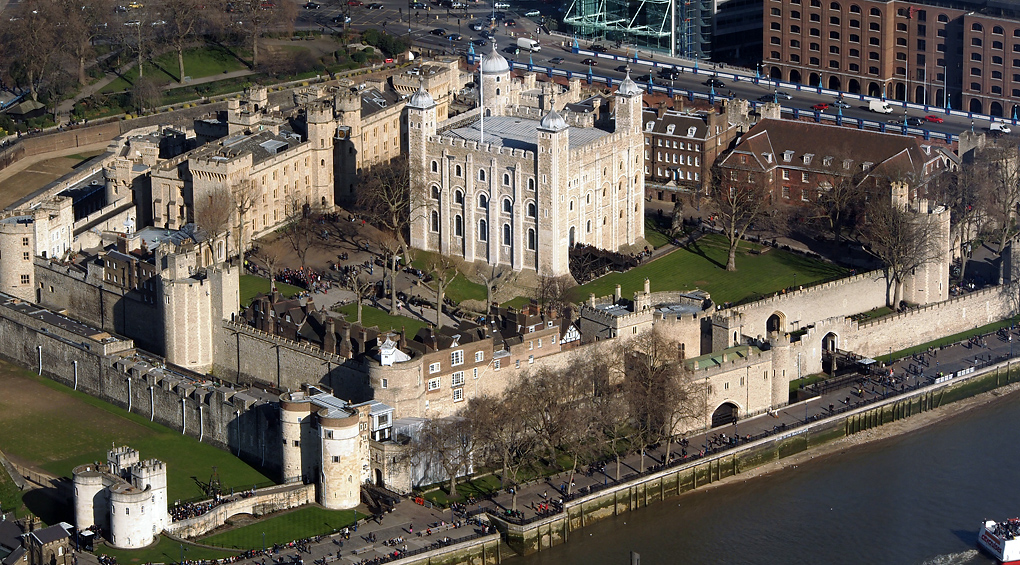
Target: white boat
(1001, 540)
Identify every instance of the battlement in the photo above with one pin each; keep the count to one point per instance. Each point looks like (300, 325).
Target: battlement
(461, 143)
(802, 292)
(949, 305)
(319, 113)
(708, 366)
(302, 346)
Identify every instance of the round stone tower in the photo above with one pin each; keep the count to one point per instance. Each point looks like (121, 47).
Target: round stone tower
(293, 415)
(495, 81)
(341, 460)
(90, 498)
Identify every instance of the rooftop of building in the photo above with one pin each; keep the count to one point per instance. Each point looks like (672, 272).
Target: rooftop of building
(518, 133)
(262, 145)
(374, 100)
(63, 322)
(692, 125)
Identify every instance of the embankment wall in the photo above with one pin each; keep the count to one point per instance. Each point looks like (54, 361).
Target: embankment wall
(264, 501)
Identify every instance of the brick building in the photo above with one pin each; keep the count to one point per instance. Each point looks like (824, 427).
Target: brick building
(680, 149)
(968, 51)
(799, 160)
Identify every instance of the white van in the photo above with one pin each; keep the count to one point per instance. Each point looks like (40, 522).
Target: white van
(880, 106)
(999, 127)
(528, 44)
(501, 6)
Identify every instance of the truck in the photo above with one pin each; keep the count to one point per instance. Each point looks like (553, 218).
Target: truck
(880, 106)
(528, 44)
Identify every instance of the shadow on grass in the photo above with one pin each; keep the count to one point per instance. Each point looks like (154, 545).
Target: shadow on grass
(48, 505)
(695, 248)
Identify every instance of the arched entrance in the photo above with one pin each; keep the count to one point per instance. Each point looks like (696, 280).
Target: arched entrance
(834, 83)
(874, 90)
(940, 98)
(571, 244)
(725, 414)
(795, 77)
(919, 95)
(776, 74)
(814, 79)
(901, 91)
(995, 109)
(975, 105)
(776, 323)
(853, 86)
(378, 478)
(830, 343)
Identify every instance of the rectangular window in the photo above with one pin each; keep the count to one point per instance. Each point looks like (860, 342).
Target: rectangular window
(495, 364)
(479, 356)
(475, 372)
(385, 383)
(433, 384)
(786, 175)
(540, 343)
(518, 364)
(803, 177)
(457, 357)
(531, 359)
(457, 379)
(336, 458)
(433, 368)
(24, 241)
(458, 394)
(24, 279)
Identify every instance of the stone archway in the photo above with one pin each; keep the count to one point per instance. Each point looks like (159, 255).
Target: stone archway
(975, 106)
(726, 413)
(874, 90)
(776, 73)
(814, 79)
(995, 109)
(901, 91)
(834, 83)
(830, 342)
(776, 323)
(795, 76)
(853, 86)
(379, 478)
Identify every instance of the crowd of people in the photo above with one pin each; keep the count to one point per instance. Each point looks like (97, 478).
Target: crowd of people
(187, 510)
(306, 278)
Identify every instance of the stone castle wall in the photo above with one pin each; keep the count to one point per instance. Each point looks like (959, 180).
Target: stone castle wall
(265, 501)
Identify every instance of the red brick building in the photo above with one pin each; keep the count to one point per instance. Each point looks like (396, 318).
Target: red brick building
(968, 51)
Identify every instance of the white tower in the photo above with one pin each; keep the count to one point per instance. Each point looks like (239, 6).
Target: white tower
(495, 80)
(421, 125)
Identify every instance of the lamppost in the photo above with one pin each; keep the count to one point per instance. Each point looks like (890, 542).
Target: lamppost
(263, 543)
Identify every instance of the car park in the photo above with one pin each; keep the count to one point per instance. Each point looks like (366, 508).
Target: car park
(934, 119)
(590, 62)
(820, 107)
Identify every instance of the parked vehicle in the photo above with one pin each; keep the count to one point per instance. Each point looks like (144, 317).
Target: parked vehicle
(528, 44)
(501, 6)
(879, 106)
(533, 14)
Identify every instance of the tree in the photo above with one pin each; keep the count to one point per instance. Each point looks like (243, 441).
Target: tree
(443, 272)
(83, 22)
(243, 195)
(503, 431)
(959, 191)
(183, 18)
(145, 94)
(495, 278)
(660, 390)
(902, 240)
(677, 219)
(258, 15)
(740, 198)
(360, 285)
(448, 442)
(270, 252)
(387, 199)
(31, 36)
(212, 214)
(553, 293)
(998, 170)
(840, 196)
(302, 234)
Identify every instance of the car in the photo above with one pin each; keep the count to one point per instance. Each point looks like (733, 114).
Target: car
(509, 23)
(438, 31)
(267, 5)
(312, 5)
(621, 69)
(498, 16)
(820, 107)
(479, 42)
(715, 82)
(783, 95)
(590, 62)
(999, 128)
(355, 3)
(555, 60)
(533, 14)
(934, 119)
(120, 9)
(643, 78)
(455, 37)
(488, 35)
(501, 6)
(768, 98)
(668, 73)
(915, 122)
(841, 104)
(341, 20)
(135, 5)
(418, 6)
(598, 48)
(477, 27)
(458, 5)
(388, 60)
(159, 23)
(375, 6)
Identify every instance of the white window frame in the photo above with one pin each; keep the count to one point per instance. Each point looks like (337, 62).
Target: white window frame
(457, 379)
(495, 364)
(457, 358)
(479, 356)
(433, 384)
(434, 368)
(458, 395)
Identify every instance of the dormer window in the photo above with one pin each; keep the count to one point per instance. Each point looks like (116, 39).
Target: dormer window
(691, 131)
(808, 157)
(670, 129)
(847, 163)
(827, 161)
(768, 157)
(927, 149)
(649, 126)
(866, 166)
(788, 156)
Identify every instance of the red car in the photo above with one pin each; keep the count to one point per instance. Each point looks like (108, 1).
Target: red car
(355, 3)
(821, 106)
(935, 119)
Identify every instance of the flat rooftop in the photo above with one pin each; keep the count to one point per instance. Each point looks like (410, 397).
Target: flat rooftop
(518, 133)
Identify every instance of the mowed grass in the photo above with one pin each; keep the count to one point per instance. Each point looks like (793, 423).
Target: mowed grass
(458, 290)
(371, 316)
(252, 285)
(702, 266)
(165, 550)
(199, 62)
(53, 427)
(299, 524)
(10, 496)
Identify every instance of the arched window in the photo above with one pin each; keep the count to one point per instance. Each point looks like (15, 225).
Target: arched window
(435, 166)
(458, 197)
(435, 192)
(506, 179)
(997, 30)
(976, 27)
(532, 239)
(497, 92)
(508, 206)
(458, 226)
(435, 221)
(483, 230)
(506, 234)
(855, 9)
(587, 198)
(458, 171)
(834, 6)
(876, 12)
(571, 205)
(481, 174)
(531, 184)
(587, 226)
(483, 201)
(532, 210)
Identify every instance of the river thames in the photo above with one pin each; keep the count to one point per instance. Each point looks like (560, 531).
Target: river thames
(918, 498)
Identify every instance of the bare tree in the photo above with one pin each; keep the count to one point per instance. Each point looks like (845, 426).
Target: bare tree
(902, 240)
(183, 18)
(259, 15)
(212, 214)
(390, 248)
(495, 278)
(448, 442)
(302, 234)
(503, 431)
(998, 170)
(959, 191)
(360, 285)
(388, 200)
(146, 94)
(553, 293)
(740, 197)
(84, 21)
(31, 35)
(270, 252)
(840, 196)
(443, 272)
(243, 195)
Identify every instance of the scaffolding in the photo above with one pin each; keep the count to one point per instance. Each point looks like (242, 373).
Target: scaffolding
(650, 24)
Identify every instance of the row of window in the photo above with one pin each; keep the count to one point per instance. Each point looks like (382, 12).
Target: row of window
(456, 358)
(686, 145)
(692, 160)
(482, 175)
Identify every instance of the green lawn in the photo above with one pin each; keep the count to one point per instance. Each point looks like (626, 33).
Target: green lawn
(375, 317)
(702, 266)
(199, 62)
(948, 340)
(461, 289)
(252, 285)
(56, 445)
(165, 550)
(518, 303)
(655, 232)
(302, 523)
(480, 488)
(10, 496)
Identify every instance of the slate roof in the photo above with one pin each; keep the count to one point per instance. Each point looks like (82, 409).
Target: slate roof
(51, 534)
(519, 133)
(680, 121)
